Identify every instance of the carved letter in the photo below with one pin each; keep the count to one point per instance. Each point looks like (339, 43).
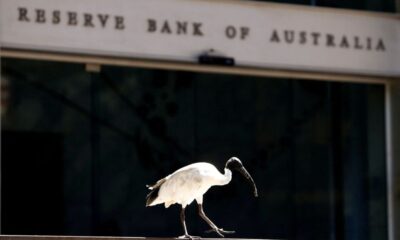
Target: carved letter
(181, 27)
(88, 20)
(380, 46)
(72, 19)
(56, 17)
(244, 32)
(274, 37)
(357, 43)
(368, 43)
(151, 25)
(119, 23)
(103, 19)
(344, 43)
(330, 40)
(165, 28)
(40, 16)
(303, 38)
(315, 36)
(230, 32)
(22, 16)
(196, 29)
(289, 36)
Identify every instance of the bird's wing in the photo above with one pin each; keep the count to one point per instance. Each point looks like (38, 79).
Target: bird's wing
(184, 180)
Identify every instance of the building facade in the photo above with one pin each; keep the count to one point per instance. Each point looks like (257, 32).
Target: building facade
(99, 100)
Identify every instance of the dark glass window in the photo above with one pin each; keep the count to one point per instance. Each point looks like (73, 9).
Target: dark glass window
(367, 5)
(90, 142)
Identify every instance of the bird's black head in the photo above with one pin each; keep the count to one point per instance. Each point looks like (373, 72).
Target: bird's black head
(233, 164)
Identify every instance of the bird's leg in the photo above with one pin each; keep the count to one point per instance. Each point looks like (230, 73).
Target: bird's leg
(183, 222)
(214, 227)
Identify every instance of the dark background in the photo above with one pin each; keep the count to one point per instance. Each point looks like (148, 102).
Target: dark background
(78, 149)
(370, 5)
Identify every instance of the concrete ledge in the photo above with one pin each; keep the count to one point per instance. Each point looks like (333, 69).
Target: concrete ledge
(46, 237)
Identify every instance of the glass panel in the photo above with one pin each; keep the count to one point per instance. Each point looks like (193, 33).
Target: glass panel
(314, 148)
(368, 5)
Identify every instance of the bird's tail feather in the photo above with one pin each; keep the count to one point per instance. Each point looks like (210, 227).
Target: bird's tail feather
(153, 194)
(157, 184)
(151, 197)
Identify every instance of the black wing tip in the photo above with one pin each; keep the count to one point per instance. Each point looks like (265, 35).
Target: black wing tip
(153, 194)
(151, 197)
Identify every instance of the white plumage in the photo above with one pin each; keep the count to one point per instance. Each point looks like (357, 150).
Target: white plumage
(191, 183)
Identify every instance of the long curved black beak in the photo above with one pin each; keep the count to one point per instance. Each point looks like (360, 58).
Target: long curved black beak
(246, 174)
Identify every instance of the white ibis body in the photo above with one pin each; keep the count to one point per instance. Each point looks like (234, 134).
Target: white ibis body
(191, 183)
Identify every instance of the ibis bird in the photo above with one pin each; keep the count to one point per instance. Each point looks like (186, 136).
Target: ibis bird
(191, 183)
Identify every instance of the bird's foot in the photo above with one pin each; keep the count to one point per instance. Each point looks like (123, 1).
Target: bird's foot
(187, 236)
(220, 231)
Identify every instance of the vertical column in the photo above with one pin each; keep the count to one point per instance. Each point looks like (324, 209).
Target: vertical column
(1, 169)
(94, 69)
(376, 162)
(392, 109)
(336, 121)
